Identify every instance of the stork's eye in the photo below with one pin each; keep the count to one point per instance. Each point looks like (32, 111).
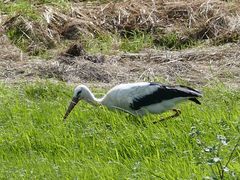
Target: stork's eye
(78, 93)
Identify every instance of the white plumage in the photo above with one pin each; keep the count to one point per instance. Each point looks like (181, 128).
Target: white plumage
(137, 98)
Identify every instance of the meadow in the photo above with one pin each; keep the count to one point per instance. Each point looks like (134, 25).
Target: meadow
(95, 143)
(147, 40)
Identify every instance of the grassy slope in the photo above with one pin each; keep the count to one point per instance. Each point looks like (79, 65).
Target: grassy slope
(96, 143)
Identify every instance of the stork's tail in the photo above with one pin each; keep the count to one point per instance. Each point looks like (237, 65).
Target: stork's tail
(193, 94)
(195, 100)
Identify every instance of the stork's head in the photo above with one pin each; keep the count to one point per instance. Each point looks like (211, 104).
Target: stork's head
(80, 92)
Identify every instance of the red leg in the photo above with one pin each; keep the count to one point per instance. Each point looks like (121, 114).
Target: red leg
(177, 113)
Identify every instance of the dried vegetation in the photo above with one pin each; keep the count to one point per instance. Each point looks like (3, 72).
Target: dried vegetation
(172, 24)
(188, 20)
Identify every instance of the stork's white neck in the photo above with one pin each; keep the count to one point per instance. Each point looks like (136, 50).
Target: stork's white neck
(90, 98)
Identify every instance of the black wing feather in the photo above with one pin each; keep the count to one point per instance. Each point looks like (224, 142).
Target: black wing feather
(195, 100)
(163, 93)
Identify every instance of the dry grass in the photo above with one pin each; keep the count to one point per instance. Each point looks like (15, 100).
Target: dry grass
(195, 66)
(31, 36)
(189, 20)
(9, 52)
(215, 20)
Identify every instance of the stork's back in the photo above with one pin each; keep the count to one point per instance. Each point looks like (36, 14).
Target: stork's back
(166, 93)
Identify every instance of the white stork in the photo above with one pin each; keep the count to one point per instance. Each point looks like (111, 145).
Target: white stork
(138, 99)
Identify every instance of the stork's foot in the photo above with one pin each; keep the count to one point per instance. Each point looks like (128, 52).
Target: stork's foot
(177, 113)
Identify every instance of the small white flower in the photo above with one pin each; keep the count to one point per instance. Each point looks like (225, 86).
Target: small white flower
(216, 159)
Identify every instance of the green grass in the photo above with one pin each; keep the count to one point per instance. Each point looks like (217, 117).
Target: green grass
(112, 43)
(102, 43)
(95, 143)
(22, 7)
(136, 42)
(30, 9)
(174, 41)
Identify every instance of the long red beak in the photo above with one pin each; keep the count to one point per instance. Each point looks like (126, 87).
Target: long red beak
(70, 107)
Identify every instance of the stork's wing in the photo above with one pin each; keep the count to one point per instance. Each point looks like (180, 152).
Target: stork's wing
(161, 93)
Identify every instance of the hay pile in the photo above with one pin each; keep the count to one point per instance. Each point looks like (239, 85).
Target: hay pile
(31, 36)
(191, 19)
(198, 19)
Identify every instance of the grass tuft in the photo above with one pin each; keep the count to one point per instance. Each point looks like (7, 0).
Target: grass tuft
(136, 42)
(173, 41)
